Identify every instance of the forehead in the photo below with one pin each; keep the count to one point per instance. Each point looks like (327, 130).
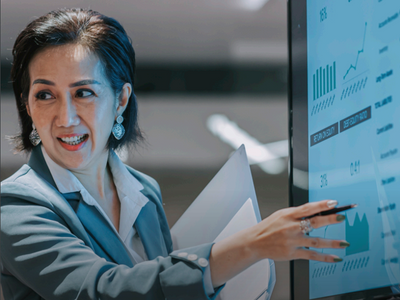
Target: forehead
(66, 62)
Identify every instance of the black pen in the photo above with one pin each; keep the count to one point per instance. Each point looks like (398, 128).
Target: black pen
(333, 211)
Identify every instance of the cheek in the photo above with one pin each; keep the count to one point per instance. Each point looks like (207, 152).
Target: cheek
(102, 119)
(42, 117)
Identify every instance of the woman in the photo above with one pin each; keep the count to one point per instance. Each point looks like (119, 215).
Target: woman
(78, 224)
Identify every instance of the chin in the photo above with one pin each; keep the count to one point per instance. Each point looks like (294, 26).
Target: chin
(72, 159)
(72, 162)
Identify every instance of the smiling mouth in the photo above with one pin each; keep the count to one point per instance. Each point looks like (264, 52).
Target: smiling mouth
(76, 140)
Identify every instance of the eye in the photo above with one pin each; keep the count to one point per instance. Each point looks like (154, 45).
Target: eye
(43, 96)
(84, 93)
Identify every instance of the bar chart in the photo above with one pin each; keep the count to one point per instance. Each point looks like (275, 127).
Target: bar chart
(324, 80)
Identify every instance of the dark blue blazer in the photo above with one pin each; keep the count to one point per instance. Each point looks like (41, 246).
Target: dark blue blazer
(55, 246)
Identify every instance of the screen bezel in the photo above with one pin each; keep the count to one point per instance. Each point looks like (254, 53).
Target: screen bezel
(298, 140)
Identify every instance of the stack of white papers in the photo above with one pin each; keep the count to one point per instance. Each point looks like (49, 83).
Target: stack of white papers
(227, 205)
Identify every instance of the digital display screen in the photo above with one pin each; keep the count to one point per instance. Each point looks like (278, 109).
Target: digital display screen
(354, 139)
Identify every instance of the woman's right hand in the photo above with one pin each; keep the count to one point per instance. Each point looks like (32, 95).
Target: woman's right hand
(278, 237)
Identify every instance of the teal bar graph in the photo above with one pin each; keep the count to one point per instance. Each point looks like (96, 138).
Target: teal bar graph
(324, 81)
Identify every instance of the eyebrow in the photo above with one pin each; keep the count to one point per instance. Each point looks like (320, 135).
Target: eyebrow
(75, 84)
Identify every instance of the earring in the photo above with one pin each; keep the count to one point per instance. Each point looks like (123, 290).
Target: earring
(118, 129)
(34, 136)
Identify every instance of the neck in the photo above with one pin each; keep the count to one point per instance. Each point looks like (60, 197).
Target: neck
(96, 178)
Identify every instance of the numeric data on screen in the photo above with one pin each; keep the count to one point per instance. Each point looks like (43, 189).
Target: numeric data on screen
(354, 139)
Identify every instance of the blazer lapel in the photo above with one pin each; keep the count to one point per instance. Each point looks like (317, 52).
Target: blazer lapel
(38, 164)
(100, 230)
(148, 227)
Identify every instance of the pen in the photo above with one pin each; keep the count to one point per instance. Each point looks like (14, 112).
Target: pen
(333, 211)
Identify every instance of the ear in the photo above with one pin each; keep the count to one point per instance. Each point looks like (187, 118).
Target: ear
(123, 98)
(27, 108)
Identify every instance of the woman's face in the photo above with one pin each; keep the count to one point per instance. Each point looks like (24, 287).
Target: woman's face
(72, 105)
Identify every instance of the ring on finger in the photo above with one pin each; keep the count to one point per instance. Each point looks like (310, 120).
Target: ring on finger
(305, 226)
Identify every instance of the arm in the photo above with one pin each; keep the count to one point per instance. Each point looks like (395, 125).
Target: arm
(41, 252)
(277, 237)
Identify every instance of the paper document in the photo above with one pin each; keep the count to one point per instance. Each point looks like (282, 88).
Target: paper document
(252, 282)
(220, 200)
(227, 205)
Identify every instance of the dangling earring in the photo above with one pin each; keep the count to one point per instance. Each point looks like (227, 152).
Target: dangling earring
(118, 129)
(34, 136)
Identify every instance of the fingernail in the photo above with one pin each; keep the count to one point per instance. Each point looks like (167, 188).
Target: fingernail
(344, 244)
(332, 203)
(337, 259)
(340, 218)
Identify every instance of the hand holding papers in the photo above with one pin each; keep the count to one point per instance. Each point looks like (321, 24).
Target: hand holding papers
(227, 205)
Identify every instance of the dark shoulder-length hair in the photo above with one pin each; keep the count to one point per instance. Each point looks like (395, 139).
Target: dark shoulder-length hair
(101, 35)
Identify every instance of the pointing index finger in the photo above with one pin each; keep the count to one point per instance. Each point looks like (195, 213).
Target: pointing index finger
(314, 208)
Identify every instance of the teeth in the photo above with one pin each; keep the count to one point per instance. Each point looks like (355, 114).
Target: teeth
(73, 140)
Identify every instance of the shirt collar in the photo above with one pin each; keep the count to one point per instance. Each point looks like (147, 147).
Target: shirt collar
(66, 182)
(123, 180)
(127, 185)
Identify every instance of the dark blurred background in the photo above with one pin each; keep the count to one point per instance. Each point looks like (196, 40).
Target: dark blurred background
(211, 75)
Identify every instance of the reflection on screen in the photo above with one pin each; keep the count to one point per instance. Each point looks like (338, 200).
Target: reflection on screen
(354, 138)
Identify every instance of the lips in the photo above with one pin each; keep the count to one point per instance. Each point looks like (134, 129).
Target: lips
(73, 142)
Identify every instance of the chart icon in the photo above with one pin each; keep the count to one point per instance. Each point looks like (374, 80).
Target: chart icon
(324, 80)
(354, 66)
(357, 235)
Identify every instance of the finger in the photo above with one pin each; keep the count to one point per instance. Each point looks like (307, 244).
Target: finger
(313, 255)
(312, 242)
(313, 208)
(321, 221)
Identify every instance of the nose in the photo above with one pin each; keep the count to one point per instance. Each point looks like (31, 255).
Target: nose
(67, 114)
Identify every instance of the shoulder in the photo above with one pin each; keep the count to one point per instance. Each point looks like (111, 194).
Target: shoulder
(148, 182)
(21, 172)
(26, 198)
(27, 186)
(25, 183)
